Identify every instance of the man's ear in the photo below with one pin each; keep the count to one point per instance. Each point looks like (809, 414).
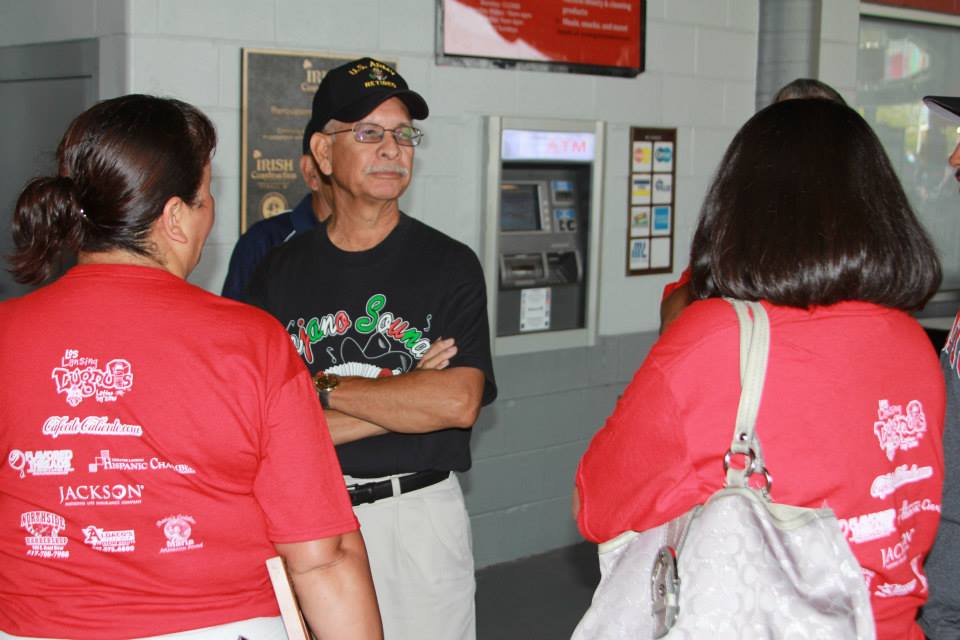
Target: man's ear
(171, 220)
(321, 146)
(310, 172)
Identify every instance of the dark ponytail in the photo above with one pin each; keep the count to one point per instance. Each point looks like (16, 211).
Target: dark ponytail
(47, 223)
(119, 163)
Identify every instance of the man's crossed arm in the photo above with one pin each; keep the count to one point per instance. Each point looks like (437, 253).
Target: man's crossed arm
(430, 398)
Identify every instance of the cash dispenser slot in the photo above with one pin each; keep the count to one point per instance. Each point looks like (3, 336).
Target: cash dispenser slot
(564, 267)
(522, 270)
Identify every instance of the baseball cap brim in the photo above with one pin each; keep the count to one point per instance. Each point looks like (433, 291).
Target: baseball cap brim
(944, 106)
(414, 102)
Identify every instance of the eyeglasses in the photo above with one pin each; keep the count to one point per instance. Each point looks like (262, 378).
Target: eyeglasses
(370, 133)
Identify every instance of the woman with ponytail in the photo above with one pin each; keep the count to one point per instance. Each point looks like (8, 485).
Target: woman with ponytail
(162, 442)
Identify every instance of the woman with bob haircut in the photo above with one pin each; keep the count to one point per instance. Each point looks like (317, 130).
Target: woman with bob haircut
(805, 215)
(163, 441)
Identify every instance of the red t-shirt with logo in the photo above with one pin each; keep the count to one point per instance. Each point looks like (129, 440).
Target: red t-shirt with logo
(159, 440)
(851, 418)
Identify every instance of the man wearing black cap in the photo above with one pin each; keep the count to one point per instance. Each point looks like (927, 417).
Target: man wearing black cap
(259, 239)
(364, 296)
(940, 617)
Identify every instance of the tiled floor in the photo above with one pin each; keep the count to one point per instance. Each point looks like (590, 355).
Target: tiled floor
(541, 597)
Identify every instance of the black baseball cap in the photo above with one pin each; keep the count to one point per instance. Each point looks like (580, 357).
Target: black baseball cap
(352, 90)
(944, 106)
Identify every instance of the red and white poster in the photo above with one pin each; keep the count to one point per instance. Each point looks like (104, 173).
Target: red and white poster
(591, 33)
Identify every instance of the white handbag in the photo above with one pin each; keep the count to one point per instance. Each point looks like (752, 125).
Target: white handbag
(739, 565)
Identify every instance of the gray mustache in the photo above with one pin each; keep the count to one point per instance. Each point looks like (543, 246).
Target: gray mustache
(387, 168)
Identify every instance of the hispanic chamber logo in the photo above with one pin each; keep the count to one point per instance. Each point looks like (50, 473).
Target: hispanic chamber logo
(80, 377)
(178, 530)
(107, 462)
(121, 541)
(41, 463)
(44, 540)
(899, 430)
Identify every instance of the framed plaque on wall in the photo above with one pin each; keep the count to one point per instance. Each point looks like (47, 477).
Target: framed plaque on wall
(277, 94)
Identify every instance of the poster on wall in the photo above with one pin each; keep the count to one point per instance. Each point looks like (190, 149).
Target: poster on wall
(277, 93)
(604, 37)
(651, 194)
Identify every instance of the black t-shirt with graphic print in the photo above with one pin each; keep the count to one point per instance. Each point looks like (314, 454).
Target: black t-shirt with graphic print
(375, 313)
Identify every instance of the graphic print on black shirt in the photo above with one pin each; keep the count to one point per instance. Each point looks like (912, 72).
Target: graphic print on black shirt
(385, 344)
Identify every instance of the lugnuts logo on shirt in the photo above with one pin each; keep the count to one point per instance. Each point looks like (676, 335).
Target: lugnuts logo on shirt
(44, 540)
(179, 531)
(81, 378)
(898, 431)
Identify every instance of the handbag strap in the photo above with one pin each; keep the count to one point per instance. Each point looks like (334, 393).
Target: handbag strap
(754, 352)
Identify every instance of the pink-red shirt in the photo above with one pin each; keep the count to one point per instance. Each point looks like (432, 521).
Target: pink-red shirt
(157, 440)
(851, 418)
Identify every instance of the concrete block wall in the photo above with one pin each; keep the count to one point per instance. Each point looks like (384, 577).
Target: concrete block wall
(700, 78)
(789, 44)
(807, 39)
(839, 41)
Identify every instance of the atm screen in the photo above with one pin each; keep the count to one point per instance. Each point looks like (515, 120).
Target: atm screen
(519, 207)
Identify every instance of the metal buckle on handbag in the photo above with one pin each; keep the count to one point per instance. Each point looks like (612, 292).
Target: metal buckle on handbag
(664, 591)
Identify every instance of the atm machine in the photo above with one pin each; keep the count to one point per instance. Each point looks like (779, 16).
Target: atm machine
(543, 204)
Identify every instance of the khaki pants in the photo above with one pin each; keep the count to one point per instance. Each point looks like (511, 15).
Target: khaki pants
(421, 557)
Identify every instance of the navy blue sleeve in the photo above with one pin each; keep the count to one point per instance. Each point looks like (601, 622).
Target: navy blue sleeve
(251, 249)
(243, 261)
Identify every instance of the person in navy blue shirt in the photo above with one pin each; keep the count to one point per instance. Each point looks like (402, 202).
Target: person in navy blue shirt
(256, 243)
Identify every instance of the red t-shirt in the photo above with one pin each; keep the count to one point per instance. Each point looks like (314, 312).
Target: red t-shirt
(673, 286)
(851, 418)
(159, 440)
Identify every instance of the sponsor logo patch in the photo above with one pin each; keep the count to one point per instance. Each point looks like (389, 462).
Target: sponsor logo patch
(122, 541)
(80, 377)
(178, 530)
(56, 426)
(885, 484)
(895, 590)
(101, 494)
(107, 462)
(910, 509)
(896, 555)
(869, 526)
(898, 430)
(44, 540)
(57, 462)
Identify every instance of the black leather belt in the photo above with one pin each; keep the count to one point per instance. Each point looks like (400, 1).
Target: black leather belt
(373, 491)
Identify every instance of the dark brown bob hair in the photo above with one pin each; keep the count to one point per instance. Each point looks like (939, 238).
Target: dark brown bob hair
(118, 164)
(806, 210)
